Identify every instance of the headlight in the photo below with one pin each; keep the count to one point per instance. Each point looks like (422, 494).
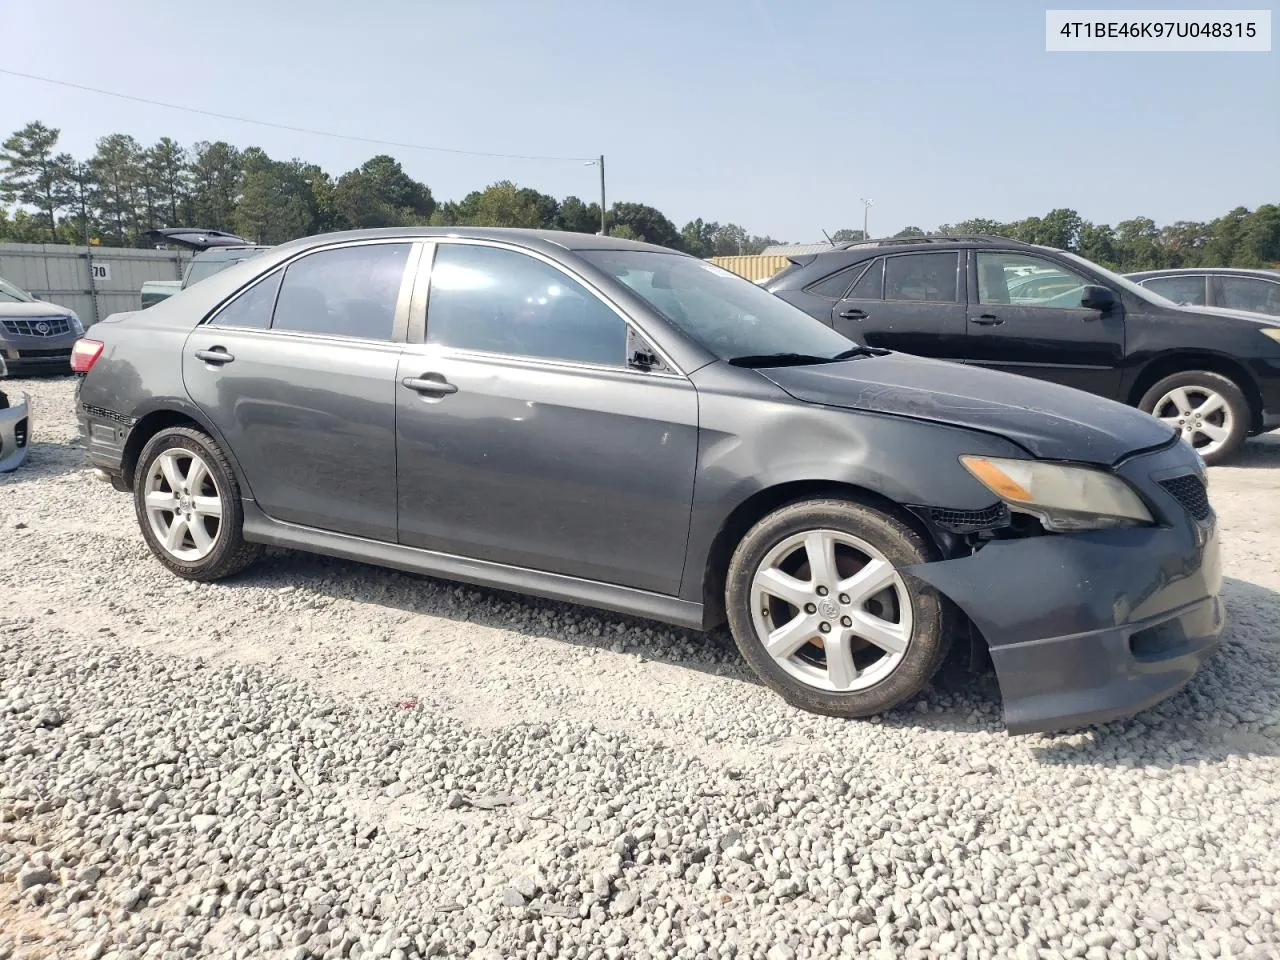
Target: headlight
(1063, 498)
(76, 326)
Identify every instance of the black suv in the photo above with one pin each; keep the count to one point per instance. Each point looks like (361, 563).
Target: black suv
(1049, 314)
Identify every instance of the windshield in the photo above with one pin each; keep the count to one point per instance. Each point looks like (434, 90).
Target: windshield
(11, 294)
(1124, 283)
(730, 316)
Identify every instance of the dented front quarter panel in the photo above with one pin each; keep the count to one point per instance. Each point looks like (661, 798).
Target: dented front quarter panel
(12, 430)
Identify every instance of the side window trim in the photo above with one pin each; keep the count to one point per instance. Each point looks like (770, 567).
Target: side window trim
(855, 272)
(212, 317)
(420, 316)
(875, 263)
(957, 290)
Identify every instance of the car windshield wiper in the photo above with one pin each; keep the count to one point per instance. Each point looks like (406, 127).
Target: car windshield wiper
(799, 359)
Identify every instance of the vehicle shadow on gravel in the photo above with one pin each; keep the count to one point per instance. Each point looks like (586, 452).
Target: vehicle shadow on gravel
(1258, 453)
(952, 698)
(1230, 708)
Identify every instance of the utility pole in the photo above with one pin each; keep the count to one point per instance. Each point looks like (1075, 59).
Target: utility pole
(866, 210)
(599, 162)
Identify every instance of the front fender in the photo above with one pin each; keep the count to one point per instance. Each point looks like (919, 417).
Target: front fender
(778, 442)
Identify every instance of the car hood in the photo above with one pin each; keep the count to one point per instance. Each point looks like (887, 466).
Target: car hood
(37, 309)
(1048, 420)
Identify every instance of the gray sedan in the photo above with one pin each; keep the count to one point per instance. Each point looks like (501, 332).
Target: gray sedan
(616, 424)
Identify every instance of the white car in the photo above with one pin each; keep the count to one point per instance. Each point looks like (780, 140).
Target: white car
(15, 428)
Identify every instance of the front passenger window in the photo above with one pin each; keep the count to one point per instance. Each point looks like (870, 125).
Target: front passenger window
(501, 301)
(344, 292)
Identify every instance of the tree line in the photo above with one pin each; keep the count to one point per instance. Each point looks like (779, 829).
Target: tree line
(125, 189)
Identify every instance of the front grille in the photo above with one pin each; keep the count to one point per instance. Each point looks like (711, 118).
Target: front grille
(1189, 491)
(970, 521)
(63, 354)
(20, 433)
(37, 326)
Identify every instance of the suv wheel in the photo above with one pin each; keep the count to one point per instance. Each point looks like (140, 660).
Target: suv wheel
(1209, 409)
(188, 505)
(820, 610)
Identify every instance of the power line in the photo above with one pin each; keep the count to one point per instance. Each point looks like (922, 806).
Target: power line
(285, 126)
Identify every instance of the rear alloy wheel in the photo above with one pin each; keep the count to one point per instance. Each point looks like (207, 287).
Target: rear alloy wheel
(821, 611)
(188, 505)
(1207, 408)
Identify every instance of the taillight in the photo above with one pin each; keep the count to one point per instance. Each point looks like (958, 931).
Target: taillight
(85, 354)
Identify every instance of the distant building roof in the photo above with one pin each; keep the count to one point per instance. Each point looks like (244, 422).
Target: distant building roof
(792, 249)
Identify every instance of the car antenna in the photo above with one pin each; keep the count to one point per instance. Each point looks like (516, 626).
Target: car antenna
(828, 236)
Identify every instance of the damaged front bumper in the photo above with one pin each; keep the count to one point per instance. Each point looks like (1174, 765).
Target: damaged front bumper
(15, 431)
(1089, 627)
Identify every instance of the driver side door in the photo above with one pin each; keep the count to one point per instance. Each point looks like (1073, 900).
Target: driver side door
(1025, 317)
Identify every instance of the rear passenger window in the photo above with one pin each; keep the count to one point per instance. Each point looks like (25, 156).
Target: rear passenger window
(834, 286)
(346, 292)
(921, 276)
(500, 301)
(870, 285)
(253, 307)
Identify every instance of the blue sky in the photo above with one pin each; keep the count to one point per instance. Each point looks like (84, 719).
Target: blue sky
(778, 116)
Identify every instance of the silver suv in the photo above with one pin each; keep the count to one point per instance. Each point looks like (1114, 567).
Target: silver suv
(35, 335)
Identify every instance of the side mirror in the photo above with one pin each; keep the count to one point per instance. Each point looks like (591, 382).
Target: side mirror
(1097, 298)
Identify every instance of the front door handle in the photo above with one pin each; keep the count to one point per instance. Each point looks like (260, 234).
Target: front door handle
(854, 314)
(217, 356)
(430, 385)
(987, 320)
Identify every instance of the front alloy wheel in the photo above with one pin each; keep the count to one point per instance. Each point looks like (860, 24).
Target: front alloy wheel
(832, 610)
(821, 611)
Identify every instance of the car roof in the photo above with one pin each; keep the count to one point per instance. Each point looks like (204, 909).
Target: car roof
(1183, 271)
(943, 242)
(529, 237)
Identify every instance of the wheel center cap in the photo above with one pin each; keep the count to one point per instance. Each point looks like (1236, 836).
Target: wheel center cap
(184, 503)
(827, 607)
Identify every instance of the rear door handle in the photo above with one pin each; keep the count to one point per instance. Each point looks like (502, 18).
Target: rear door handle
(987, 320)
(217, 356)
(430, 385)
(854, 314)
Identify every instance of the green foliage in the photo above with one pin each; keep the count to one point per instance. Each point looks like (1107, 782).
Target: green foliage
(125, 189)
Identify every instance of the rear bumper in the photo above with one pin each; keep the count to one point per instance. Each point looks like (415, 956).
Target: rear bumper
(1085, 628)
(15, 433)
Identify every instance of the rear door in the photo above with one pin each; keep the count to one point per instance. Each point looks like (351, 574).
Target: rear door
(912, 302)
(1248, 293)
(298, 374)
(1025, 317)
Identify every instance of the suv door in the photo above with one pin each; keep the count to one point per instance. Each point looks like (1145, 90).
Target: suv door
(1248, 293)
(913, 302)
(298, 374)
(525, 438)
(1025, 317)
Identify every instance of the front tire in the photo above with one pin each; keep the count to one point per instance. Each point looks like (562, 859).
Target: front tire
(188, 505)
(820, 610)
(1208, 409)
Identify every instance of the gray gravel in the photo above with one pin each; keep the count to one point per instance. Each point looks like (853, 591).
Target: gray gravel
(322, 759)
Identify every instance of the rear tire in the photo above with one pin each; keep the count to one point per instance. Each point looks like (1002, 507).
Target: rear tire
(188, 505)
(852, 638)
(1209, 410)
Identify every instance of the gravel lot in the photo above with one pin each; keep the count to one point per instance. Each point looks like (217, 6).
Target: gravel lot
(324, 759)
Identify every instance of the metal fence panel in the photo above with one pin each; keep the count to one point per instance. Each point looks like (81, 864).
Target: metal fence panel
(61, 274)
